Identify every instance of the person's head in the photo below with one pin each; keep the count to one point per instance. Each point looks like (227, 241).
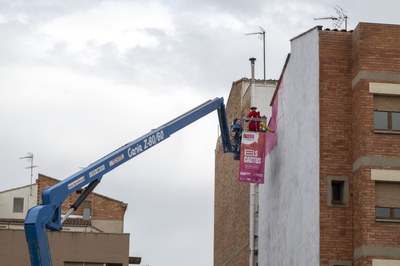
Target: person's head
(253, 108)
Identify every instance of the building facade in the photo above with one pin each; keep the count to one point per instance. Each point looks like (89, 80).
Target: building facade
(332, 181)
(93, 235)
(231, 212)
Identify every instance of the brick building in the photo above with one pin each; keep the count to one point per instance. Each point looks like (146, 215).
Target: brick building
(93, 234)
(106, 214)
(332, 181)
(231, 215)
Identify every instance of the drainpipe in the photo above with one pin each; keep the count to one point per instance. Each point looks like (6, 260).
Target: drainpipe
(253, 187)
(251, 223)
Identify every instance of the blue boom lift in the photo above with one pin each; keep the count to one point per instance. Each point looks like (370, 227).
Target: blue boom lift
(47, 216)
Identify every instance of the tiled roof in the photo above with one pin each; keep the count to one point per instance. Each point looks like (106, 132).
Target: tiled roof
(69, 222)
(257, 80)
(11, 221)
(328, 29)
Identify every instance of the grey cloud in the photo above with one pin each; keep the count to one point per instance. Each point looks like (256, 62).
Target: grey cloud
(65, 117)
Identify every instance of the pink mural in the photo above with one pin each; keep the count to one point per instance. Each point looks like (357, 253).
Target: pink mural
(272, 137)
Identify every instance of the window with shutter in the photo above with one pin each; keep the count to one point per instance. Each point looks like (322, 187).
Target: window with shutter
(386, 113)
(387, 200)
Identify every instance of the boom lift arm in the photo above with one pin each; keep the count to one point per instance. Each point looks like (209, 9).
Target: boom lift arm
(48, 214)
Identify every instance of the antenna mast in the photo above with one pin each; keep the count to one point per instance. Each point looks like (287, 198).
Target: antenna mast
(262, 36)
(29, 158)
(339, 19)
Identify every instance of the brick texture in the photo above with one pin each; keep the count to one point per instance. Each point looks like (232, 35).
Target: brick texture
(231, 210)
(374, 49)
(347, 133)
(102, 207)
(335, 142)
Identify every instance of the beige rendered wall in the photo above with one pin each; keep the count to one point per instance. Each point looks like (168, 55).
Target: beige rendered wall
(66, 246)
(109, 226)
(28, 193)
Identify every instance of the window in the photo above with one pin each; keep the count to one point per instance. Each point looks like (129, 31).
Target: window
(381, 120)
(387, 213)
(396, 121)
(396, 213)
(86, 210)
(18, 205)
(382, 213)
(338, 191)
(387, 113)
(388, 121)
(387, 200)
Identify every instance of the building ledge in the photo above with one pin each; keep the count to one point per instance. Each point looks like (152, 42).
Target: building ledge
(388, 220)
(135, 260)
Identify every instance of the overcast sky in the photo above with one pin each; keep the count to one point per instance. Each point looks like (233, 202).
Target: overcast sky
(78, 79)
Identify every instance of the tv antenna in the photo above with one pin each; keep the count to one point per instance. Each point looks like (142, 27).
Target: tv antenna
(29, 158)
(339, 19)
(261, 34)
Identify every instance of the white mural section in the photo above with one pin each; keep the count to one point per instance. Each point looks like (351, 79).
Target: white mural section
(264, 93)
(289, 199)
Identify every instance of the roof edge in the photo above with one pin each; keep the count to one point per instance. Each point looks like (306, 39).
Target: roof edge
(16, 188)
(304, 33)
(123, 204)
(280, 79)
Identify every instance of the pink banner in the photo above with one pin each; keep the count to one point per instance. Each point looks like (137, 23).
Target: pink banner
(252, 157)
